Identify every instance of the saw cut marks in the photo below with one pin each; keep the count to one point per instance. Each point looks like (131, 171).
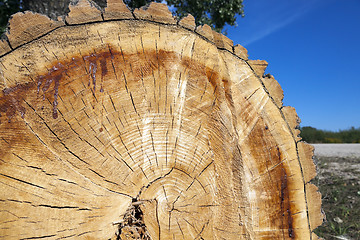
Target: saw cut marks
(139, 126)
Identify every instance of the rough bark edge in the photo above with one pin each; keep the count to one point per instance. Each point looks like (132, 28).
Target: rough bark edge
(258, 66)
(84, 11)
(157, 12)
(34, 25)
(305, 154)
(221, 42)
(241, 52)
(4, 46)
(316, 217)
(304, 151)
(205, 31)
(117, 10)
(274, 89)
(188, 22)
(272, 86)
(293, 120)
(313, 196)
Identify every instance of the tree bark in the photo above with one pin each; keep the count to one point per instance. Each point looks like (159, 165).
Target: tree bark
(145, 128)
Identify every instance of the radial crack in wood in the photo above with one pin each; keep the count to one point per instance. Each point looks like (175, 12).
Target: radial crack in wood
(293, 120)
(140, 129)
(274, 89)
(24, 27)
(4, 46)
(205, 31)
(241, 51)
(258, 66)
(221, 41)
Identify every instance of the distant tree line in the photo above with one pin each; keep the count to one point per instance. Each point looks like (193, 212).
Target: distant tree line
(313, 135)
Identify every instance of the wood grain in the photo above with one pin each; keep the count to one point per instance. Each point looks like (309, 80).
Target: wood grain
(24, 27)
(241, 52)
(4, 47)
(83, 12)
(147, 130)
(188, 22)
(116, 9)
(157, 12)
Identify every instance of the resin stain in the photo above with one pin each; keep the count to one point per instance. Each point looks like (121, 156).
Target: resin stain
(11, 99)
(268, 161)
(58, 73)
(285, 205)
(96, 64)
(55, 75)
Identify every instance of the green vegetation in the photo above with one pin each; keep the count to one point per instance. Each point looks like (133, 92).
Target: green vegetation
(339, 183)
(216, 13)
(313, 135)
(7, 8)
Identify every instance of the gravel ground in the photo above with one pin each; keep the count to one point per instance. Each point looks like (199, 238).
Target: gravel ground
(337, 150)
(342, 160)
(338, 179)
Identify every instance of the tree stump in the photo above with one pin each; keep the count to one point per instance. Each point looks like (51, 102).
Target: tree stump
(133, 125)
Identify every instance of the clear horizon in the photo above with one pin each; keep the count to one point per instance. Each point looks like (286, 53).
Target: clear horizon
(313, 51)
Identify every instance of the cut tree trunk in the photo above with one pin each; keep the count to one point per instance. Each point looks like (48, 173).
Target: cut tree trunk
(129, 125)
(52, 8)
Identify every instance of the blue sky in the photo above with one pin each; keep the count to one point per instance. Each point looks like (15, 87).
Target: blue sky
(313, 51)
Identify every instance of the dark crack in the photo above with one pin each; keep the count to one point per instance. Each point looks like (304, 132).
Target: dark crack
(132, 226)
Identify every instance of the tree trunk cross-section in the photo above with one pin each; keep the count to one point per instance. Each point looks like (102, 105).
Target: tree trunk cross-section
(142, 127)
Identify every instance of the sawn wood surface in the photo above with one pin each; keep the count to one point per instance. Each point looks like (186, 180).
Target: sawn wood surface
(134, 125)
